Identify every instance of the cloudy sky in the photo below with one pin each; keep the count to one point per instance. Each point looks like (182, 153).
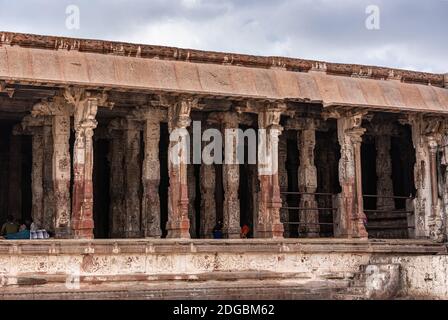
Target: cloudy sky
(412, 34)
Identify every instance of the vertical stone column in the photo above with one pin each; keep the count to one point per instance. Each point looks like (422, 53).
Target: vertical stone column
(384, 184)
(37, 171)
(56, 173)
(350, 217)
(82, 202)
(422, 136)
(436, 219)
(116, 186)
(308, 180)
(178, 225)
(151, 174)
(270, 202)
(283, 181)
(15, 177)
(191, 181)
(132, 179)
(231, 177)
(208, 205)
(48, 192)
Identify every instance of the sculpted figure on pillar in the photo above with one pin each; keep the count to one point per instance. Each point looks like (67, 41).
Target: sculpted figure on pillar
(308, 180)
(350, 218)
(270, 202)
(427, 137)
(116, 156)
(231, 175)
(178, 225)
(85, 105)
(59, 111)
(385, 190)
(152, 117)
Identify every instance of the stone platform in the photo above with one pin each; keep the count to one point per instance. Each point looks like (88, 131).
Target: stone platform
(222, 269)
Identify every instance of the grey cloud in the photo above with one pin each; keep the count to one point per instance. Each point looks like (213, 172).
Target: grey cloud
(412, 34)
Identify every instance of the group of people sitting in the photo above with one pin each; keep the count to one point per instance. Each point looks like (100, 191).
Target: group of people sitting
(218, 233)
(15, 230)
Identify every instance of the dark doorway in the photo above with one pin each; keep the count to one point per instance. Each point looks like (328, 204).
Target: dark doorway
(164, 177)
(15, 168)
(101, 198)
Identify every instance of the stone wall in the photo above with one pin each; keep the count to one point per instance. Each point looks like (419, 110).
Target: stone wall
(304, 261)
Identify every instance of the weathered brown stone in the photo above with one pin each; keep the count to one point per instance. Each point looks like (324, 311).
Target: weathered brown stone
(178, 224)
(151, 173)
(350, 217)
(270, 201)
(231, 176)
(132, 179)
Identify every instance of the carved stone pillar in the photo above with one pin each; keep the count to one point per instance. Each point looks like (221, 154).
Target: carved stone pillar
(270, 202)
(151, 174)
(85, 109)
(132, 179)
(191, 181)
(178, 225)
(435, 220)
(426, 220)
(308, 180)
(208, 205)
(283, 181)
(350, 217)
(48, 192)
(231, 177)
(56, 143)
(37, 177)
(384, 185)
(116, 186)
(82, 202)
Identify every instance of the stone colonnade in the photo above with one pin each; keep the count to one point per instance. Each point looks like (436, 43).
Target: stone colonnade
(135, 216)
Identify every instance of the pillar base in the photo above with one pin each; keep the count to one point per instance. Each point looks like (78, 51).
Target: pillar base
(62, 233)
(178, 229)
(132, 234)
(82, 229)
(82, 234)
(233, 233)
(270, 231)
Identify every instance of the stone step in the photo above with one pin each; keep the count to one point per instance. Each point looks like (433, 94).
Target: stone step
(216, 290)
(386, 216)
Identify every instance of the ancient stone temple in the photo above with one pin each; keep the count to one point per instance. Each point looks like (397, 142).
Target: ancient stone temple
(89, 128)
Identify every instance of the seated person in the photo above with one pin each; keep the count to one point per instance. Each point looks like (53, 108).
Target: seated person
(217, 230)
(9, 226)
(24, 232)
(245, 231)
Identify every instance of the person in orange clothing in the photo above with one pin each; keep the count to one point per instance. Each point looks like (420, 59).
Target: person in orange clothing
(244, 231)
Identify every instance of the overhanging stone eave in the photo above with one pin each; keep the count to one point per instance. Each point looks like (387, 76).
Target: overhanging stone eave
(382, 108)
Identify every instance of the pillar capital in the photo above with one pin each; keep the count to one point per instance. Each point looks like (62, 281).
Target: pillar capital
(150, 113)
(179, 110)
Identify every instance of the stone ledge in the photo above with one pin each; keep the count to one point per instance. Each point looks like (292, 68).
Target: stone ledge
(168, 246)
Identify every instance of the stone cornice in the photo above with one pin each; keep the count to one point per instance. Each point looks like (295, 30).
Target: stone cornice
(171, 53)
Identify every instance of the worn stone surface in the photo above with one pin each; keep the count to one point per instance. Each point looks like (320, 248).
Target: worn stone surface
(151, 174)
(178, 225)
(297, 261)
(117, 186)
(231, 176)
(270, 202)
(350, 218)
(132, 179)
(308, 181)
